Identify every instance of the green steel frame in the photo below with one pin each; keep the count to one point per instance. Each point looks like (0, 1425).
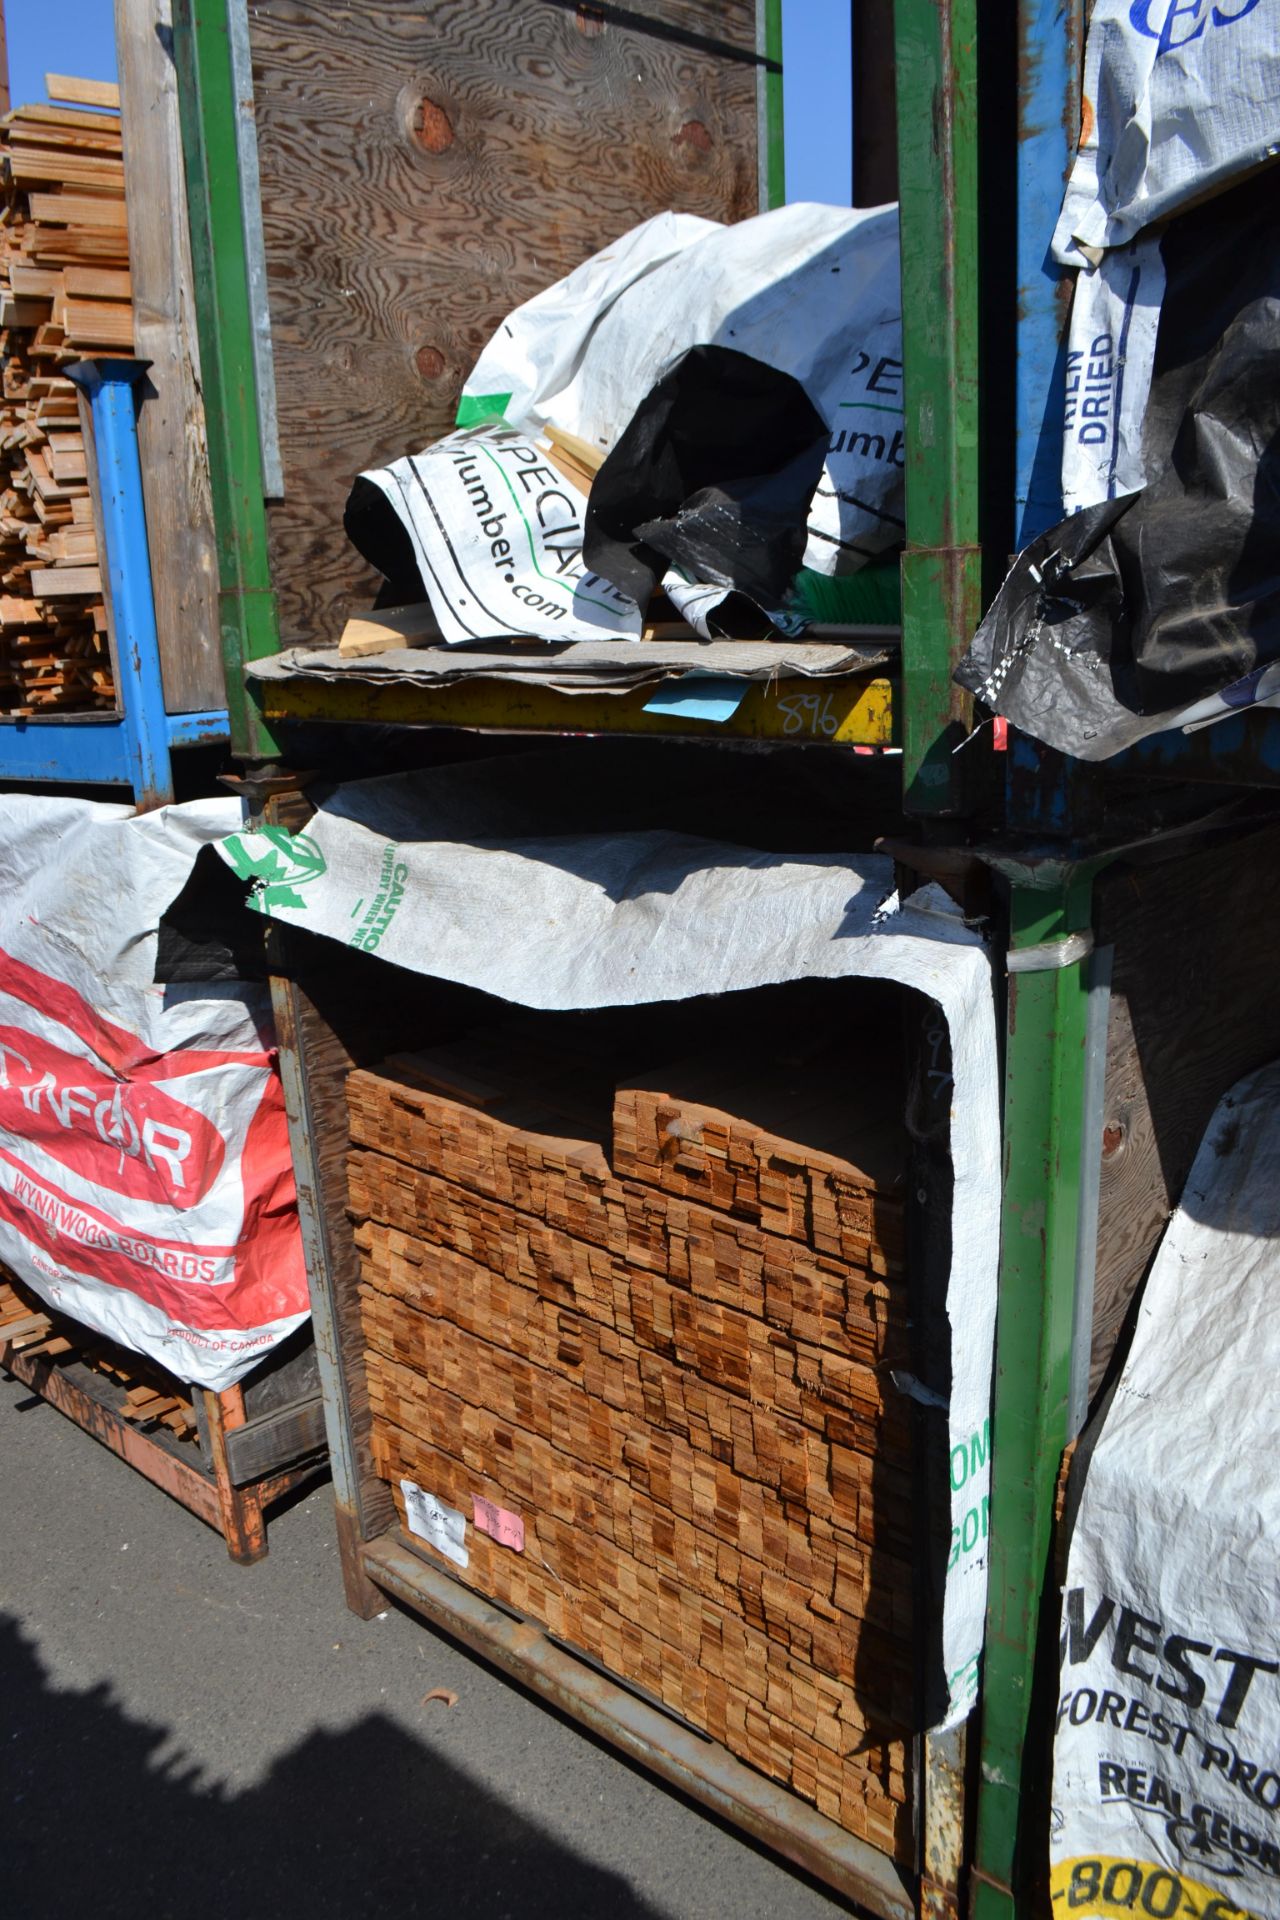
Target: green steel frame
(247, 605)
(936, 51)
(773, 188)
(1046, 1057)
(944, 251)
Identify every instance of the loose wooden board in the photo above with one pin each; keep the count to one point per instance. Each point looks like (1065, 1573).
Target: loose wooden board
(370, 633)
(82, 93)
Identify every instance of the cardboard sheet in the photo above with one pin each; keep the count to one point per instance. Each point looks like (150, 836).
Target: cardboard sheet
(586, 666)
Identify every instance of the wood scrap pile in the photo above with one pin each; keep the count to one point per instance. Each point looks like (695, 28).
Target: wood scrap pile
(641, 1369)
(133, 1387)
(64, 294)
(25, 1327)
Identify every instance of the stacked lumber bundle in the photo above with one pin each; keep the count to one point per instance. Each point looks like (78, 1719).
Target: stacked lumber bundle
(138, 1390)
(642, 1361)
(64, 294)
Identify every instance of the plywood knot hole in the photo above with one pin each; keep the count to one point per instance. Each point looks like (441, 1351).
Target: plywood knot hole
(694, 134)
(430, 362)
(589, 20)
(431, 126)
(1113, 1139)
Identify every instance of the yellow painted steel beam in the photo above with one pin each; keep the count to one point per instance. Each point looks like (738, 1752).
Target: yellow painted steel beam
(857, 711)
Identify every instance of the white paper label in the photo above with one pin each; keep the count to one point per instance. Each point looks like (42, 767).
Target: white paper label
(443, 1528)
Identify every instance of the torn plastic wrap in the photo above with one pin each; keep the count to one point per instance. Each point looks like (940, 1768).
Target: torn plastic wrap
(1115, 316)
(478, 874)
(1161, 608)
(1179, 97)
(755, 375)
(495, 533)
(725, 508)
(1166, 1775)
(146, 1185)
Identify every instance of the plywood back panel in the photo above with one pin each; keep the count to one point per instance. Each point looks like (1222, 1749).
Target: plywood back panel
(426, 168)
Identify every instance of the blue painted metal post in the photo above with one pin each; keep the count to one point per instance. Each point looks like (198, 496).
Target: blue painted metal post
(1049, 62)
(110, 386)
(1048, 115)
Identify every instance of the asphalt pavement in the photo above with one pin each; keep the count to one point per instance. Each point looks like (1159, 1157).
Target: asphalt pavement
(184, 1739)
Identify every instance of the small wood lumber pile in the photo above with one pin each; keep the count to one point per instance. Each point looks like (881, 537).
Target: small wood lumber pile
(633, 1356)
(25, 1327)
(146, 1396)
(64, 294)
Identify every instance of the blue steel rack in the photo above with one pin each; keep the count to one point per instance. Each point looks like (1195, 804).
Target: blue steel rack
(132, 747)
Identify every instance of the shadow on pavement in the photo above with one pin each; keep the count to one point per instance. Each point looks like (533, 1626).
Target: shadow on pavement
(101, 1816)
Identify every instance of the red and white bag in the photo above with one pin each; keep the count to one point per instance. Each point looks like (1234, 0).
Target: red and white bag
(146, 1186)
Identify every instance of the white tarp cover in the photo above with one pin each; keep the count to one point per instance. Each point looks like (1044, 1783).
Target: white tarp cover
(1166, 1780)
(431, 871)
(1179, 97)
(146, 1186)
(497, 530)
(1111, 348)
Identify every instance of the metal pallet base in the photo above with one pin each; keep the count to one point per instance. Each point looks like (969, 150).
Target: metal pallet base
(236, 1512)
(697, 1766)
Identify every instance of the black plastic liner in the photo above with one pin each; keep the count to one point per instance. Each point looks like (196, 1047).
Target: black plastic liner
(1113, 623)
(714, 474)
(380, 536)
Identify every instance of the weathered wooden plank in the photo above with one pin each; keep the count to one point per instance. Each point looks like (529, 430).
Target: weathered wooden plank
(29, 165)
(428, 173)
(77, 210)
(55, 583)
(171, 431)
(276, 1439)
(85, 283)
(102, 322)
(1193, 1007)
(75, 118)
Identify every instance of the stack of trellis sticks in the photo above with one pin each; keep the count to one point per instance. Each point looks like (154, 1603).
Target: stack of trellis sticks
(628, 1372)
(64, 294)
(137, 1389)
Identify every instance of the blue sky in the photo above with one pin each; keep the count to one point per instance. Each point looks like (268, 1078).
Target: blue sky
(816, 72)
(77, 36)
(58, 36)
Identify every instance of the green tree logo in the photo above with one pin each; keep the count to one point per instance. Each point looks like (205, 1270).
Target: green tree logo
(277, 862)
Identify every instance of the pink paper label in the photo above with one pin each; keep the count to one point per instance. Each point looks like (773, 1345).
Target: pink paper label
(506, 1528)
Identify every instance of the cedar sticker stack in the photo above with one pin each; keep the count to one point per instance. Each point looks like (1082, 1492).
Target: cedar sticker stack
(631, 1357)
(64, 294)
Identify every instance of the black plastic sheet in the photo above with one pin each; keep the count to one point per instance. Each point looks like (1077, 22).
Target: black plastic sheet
(713, 474)
(1114, 623)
